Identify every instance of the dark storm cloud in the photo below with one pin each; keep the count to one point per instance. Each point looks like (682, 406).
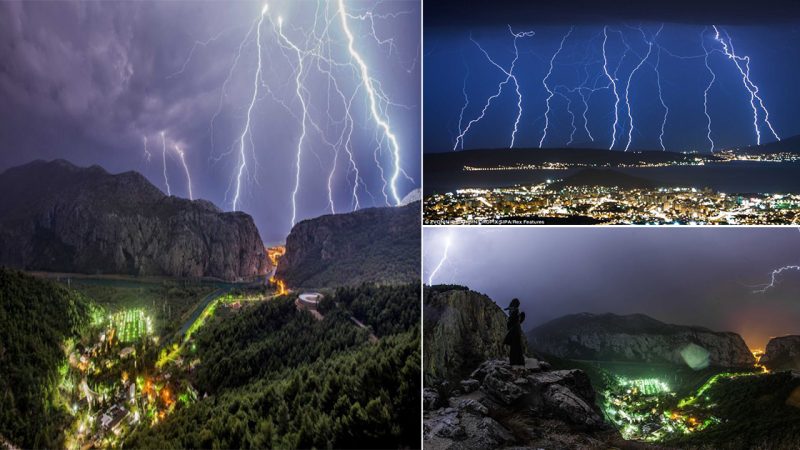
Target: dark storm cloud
(88, 69)
(691, 276)
(474, 13)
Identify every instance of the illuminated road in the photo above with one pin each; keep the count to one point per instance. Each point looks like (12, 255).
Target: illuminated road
(198, 311)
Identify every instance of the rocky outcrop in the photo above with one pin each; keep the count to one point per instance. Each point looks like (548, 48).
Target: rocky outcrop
(379, 245)
(527, 406)
(55, 216)
(782, 353)
(638, 338)
(411, 197)
(461, 329)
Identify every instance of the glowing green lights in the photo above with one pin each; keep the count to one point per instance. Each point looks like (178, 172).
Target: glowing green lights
(646, 409)
(647, 386)
(131, 325)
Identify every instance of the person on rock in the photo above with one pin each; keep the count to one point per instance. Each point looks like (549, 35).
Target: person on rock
(513, 337)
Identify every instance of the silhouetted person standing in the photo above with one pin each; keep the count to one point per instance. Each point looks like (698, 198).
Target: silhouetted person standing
(514, 333)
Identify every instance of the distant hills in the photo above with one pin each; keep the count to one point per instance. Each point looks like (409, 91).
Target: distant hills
(790, 145)
(495, 157)
(638, 338)
(604, 177)
(444, 161)
(379, 245)
(444, 172)
(55, 216)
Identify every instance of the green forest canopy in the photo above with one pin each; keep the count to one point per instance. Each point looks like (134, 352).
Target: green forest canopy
(277, 377)
(36, 318)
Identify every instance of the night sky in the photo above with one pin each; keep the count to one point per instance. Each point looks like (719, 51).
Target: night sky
(690, 276)
(767, 33)
(92, 81)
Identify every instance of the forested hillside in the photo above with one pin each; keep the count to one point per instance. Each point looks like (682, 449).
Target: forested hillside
(271, 337)
(386, 310)
(37, 319)
(276, 377)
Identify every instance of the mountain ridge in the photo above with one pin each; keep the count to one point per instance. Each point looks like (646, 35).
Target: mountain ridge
(787, 144)
(638, 338)
(87, 220)
(603, 177)
(782, 353)
(373, 245)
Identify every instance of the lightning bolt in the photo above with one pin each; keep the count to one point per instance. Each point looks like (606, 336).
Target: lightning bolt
(613, 82)
(185, 169)
(584, 99)
(460, 137)
(298, 91)
(774, 278)
(572, 117)
(704, 55)
(708, 87)
(585, 112)
(224, 89)
(309, 57)
(628, 88)
(441, 261)
(514, 78)
(325, 65)
(585, 87)
(368, 84)
(547, 88)
(509, 77)
(752, 88)
(661, 99)
(195, 46)
(164, 159)
(147, 153)
(463, 108)
(246, 130)
(352, 161)
(723, 45)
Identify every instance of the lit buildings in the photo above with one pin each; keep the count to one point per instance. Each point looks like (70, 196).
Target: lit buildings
(546, 204)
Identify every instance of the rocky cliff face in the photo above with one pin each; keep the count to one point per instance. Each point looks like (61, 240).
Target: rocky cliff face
(55, 216)
(461, 329)
(782, 353)
(504, 406)
(638, 338)
(369, 245)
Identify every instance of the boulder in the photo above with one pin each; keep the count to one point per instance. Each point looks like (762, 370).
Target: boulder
(570, 406)
(507, 398)
(470, 385)
(430, 398)
(464, 427)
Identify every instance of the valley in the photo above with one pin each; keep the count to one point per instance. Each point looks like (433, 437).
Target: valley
(130, 371)
(650, 383)
(179, 309)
